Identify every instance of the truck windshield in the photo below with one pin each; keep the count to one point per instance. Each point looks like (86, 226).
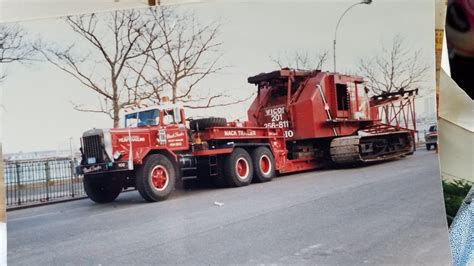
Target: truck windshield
(145, 118)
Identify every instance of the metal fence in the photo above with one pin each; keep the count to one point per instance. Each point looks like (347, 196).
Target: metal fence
(39, 181)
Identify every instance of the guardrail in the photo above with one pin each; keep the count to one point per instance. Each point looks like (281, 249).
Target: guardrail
(30, 182)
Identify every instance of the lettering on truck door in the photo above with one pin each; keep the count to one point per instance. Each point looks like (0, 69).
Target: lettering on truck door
(176, 138)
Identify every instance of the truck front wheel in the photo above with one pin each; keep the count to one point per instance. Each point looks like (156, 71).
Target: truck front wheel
(238, 168)
(156, 178)
(102, 188)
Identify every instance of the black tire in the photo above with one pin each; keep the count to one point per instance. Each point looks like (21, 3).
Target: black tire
(263, 164)
(238, 168)
(428, 146)
(102, 188)
(145, 184)
(204, 123)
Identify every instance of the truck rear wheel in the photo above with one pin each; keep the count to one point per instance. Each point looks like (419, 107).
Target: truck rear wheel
(156, 178)
(264, 164)
(238, 168)
(102, 188)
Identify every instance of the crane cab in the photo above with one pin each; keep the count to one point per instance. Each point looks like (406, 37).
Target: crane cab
(310, 104)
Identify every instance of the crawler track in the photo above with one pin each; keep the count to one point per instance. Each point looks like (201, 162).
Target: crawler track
(371, 148)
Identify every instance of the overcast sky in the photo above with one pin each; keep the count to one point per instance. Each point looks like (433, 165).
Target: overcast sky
(38, 113)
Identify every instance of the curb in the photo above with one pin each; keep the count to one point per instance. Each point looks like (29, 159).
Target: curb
(55, 201)
(14, 208)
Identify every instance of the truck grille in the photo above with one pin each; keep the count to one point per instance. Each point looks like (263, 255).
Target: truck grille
(92, 147)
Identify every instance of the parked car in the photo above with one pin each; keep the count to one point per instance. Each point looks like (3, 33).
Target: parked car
(431, 137)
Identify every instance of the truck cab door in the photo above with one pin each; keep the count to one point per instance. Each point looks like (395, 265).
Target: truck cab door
(176, 131)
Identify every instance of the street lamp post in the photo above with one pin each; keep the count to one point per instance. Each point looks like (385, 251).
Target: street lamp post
(366, 2)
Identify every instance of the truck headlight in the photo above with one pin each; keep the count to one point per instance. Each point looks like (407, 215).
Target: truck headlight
(117, 155)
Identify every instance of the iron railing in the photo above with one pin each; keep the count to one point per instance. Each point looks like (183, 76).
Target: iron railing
(39, 181)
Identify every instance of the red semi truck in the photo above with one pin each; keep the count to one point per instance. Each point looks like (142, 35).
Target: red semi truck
(299, 120)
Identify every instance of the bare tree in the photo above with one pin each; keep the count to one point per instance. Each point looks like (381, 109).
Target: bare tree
(187, 54)
(14, 47)
(396, 68)
(114, 41)
(300, 60)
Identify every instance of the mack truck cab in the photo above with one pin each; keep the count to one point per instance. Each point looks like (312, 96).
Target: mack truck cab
(147, 144)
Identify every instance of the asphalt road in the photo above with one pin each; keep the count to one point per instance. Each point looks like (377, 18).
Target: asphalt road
(383, 213)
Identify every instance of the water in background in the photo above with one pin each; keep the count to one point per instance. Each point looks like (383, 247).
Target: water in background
(26, 172)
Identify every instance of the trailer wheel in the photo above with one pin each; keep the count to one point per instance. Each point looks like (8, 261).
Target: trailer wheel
(204, 123)
(156, 178)
(102, 188)
(264, 164)
(238, 168)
